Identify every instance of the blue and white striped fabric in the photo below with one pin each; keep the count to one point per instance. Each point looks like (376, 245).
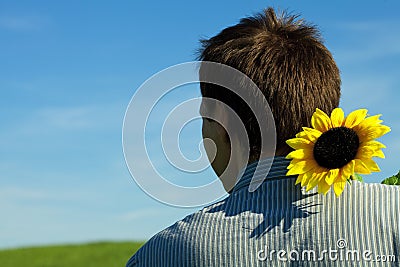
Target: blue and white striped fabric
(282, 225)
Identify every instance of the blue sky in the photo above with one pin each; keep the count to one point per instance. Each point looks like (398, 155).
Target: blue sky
(68, 70)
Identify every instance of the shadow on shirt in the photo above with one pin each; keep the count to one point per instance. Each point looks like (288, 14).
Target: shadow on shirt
(262, 211)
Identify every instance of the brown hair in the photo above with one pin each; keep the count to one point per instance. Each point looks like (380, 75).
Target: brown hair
(285, 57)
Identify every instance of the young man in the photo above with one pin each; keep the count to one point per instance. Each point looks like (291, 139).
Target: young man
(278, 224)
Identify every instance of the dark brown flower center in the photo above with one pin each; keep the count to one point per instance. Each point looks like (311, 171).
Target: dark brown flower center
(336, 147)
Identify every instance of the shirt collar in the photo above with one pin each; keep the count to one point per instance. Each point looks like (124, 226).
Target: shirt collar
(272, 168)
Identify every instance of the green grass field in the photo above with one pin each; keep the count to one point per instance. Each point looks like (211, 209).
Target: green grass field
(104, 254)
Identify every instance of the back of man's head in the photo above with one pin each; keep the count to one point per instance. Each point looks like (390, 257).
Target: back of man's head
(287, 60)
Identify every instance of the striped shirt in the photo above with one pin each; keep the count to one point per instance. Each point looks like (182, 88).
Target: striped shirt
(280, 224)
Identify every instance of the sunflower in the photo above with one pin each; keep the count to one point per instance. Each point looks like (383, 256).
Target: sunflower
(330, 153)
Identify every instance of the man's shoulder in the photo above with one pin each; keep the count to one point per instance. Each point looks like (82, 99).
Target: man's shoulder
(180, 238)
(184, 228)
(377, 188)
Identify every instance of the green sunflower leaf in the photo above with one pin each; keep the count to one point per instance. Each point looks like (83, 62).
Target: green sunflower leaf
(394, 180)
(357, 177)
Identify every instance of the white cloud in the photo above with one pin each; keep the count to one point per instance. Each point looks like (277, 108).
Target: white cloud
(8, 193)
(15, 193)
(68, 117)
(59, 120)
(141, 214)
(368, 40)
(367, 26)
(360, 91)
(382, 47)
(21, 23)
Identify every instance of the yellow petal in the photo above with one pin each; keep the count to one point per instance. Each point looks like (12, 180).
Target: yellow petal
(371, 165)
(373, 132)
(337, 117)
(378, 153)
(302, 135)
(360, 167)
(312, 134)
(293, 163)
(382, 130)
(320, 121)
(314, 180)
(374, 143)
(369, 122)
(311, 185)
(371, 149)
(301, 154)
(299, 179)
(348, 170)
(323, 187)
(365, 152)
(331, 176)
(355, 118)
(299, 143)
(338, 188)
(307, 177)
(302, 167)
